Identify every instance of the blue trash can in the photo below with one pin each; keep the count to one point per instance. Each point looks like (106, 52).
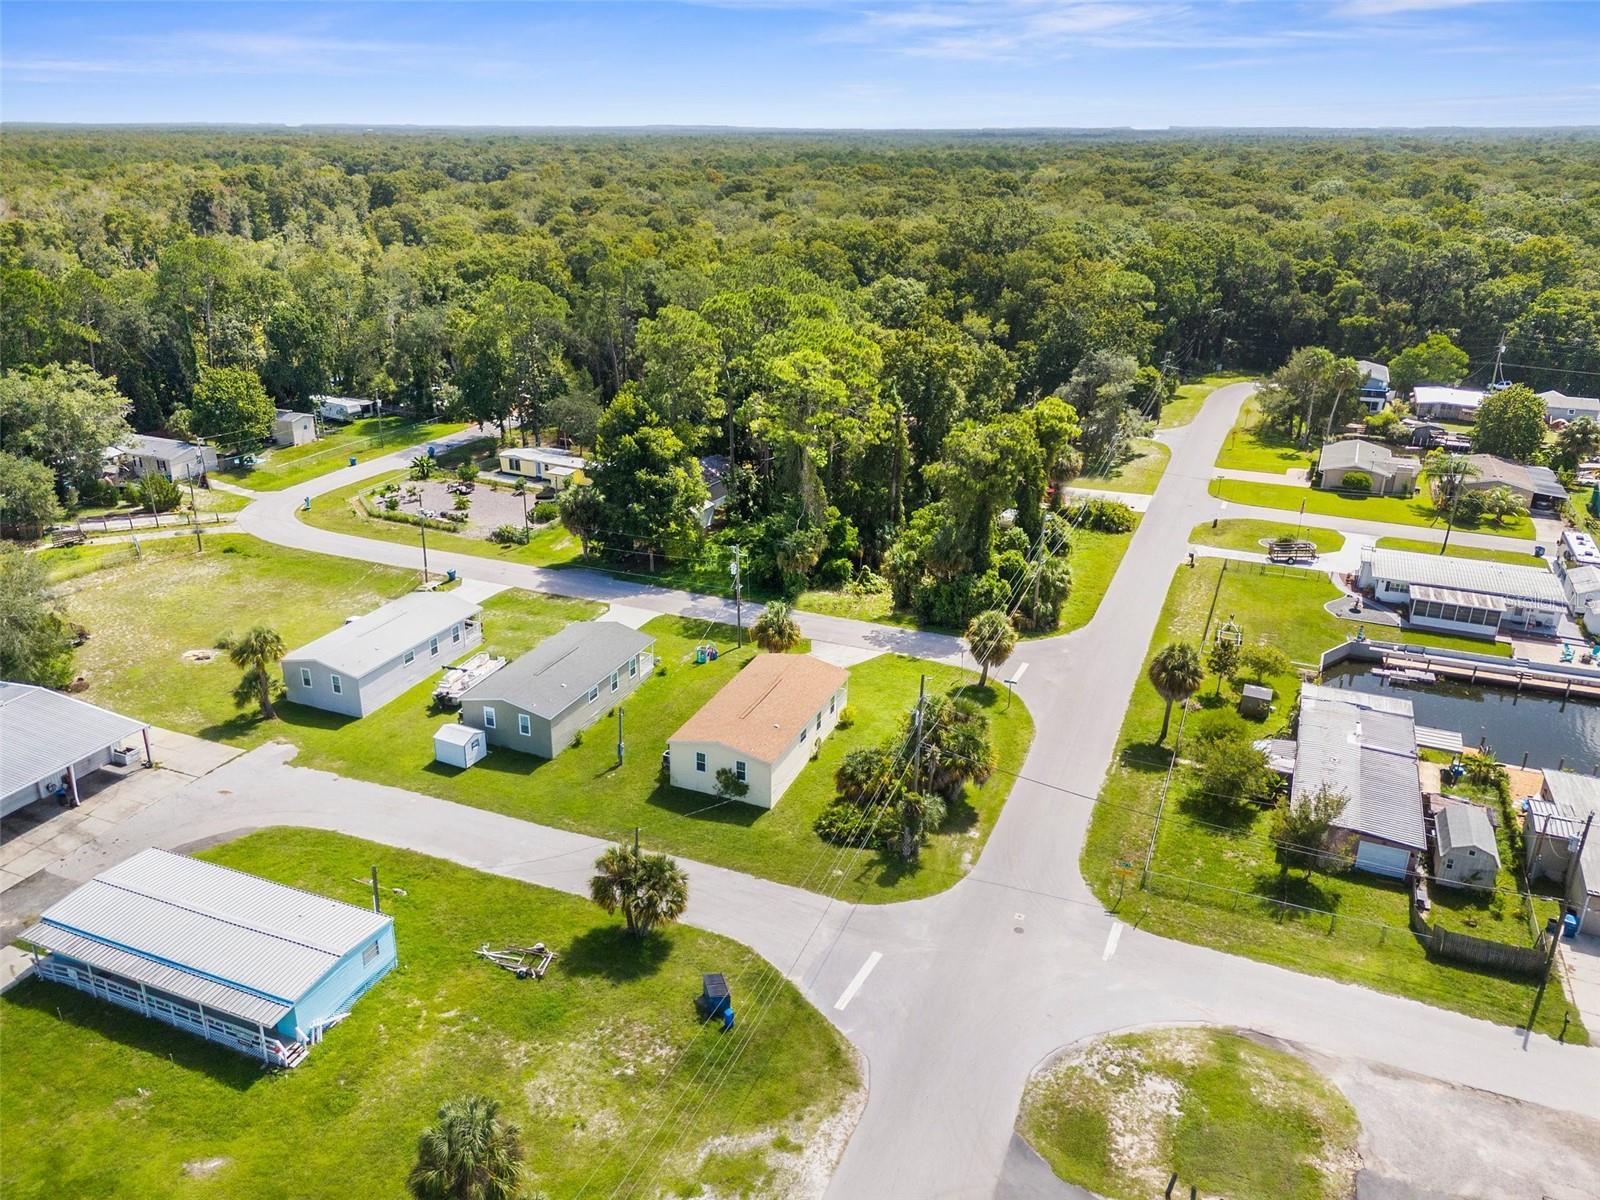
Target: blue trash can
(352, 460)
(450, 576)
(1569, 927)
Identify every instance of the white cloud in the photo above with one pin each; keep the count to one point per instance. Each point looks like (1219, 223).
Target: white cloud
(1390, 8)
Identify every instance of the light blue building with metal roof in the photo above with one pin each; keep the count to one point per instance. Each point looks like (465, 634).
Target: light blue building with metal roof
(252, 965)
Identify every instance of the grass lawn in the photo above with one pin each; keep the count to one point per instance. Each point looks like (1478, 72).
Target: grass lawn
(1230, 1116)
(185, 602)
(1456, 550)
(1249, 448)
(1191, 397)
(1095, 558)
(1140, 473)
(1393, 510)
(1368, 942)
(101, 1102)
(1239, 534)
(286, 466)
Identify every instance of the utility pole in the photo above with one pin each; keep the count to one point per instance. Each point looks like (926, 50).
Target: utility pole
(635, 840)
(194, 517)
(422, 524)
(916, 726)
(1499, 354)
(738, 606)
(1301, 522)
(376, 906)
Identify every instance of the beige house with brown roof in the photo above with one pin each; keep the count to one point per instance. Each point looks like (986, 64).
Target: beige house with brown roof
(763, 725)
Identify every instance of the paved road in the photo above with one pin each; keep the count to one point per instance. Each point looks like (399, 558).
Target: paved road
(973, 987)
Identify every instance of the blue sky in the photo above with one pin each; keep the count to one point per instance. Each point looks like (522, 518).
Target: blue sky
(809, 63)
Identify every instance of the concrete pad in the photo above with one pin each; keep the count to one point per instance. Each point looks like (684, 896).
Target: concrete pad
(37, 859)
(843, 656)
(15, 966)
(1580, 967)
(627, 614)
(478, 590)
(190, 755)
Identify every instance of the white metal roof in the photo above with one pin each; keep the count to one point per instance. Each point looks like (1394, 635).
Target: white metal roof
(1571, 798)
(1368, 456)
(456, 735)
(229, 927)
(385, 633)
(560, 670)
(1366, 747)
(1434, 394)
(1465, 575)
(43, 733)
(160, 447)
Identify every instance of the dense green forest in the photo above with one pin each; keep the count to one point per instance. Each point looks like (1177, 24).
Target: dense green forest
(875, 328)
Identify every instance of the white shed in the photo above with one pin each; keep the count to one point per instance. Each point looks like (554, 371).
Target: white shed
(459, 745)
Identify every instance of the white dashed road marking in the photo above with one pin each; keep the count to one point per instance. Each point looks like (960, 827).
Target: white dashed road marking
(849, 993)
(1112, 939)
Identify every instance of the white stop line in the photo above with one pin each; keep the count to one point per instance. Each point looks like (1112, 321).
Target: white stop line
(849, 993)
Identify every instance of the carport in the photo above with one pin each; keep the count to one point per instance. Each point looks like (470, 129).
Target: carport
(52, 741)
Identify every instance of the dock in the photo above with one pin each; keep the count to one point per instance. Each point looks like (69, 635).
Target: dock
(1458, 666)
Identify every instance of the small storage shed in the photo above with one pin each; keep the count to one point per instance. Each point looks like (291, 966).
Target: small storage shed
(250, 964)
(293, 428)
(459, 745)
(1255, 700)
(1465, 851)
(49, 742)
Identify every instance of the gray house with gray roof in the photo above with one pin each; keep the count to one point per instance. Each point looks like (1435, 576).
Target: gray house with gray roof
(566, 683)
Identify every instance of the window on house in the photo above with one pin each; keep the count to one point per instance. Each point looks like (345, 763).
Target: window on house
(488, 717)
(337, 684)
(594, 693)
(633, 666)
(369, 955)
(514, 465)
(1472, 854)
(738, 770)
(409, 657)
(524, 725)
(305, 676)
(433, 646)
(455, 633)
(803, 732)
(819, 722)
(832, 700)
(700, 761)
(616, 680)
(1449, 864)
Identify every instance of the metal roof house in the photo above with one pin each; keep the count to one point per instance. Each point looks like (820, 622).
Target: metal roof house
(552, 469)
(368, 661)
(544, 699)
(290, 428)
(51, 741)
(762, 725)
(1365, 747)
(1553, 827)
(1446, 403)
(1391, 474)
(345, 408)
(1465, 850)
(171, 459)
(1559, 407)
(249, 964)
(1464, 595)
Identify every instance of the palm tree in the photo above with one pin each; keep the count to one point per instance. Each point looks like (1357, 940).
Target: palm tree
(256, 652)
(520, 488)
(468, 1153)
(646, 888)
(775, 629)
(422, 467)
(1501, 502)
(991, 639)
(1175, 672)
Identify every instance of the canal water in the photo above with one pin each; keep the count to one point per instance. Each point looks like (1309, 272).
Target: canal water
(1544, 728)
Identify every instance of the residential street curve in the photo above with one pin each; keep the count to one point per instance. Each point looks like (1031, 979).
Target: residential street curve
(974, 986)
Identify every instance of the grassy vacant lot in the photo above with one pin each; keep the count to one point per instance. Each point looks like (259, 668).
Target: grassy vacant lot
(1204, 847)
(1241, 534)
(102, 1103)
(182, 602)
(1140, 473)
(1230, 1116)
(1095, 558)
(1393, 510)
(1457, 550)
(1253, 448)
(1191, 397)
(286, 466)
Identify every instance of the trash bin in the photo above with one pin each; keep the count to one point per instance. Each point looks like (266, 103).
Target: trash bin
(699, 655)
(352, 460)
(1538, 551)
(450, 576)
(1569, 927)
